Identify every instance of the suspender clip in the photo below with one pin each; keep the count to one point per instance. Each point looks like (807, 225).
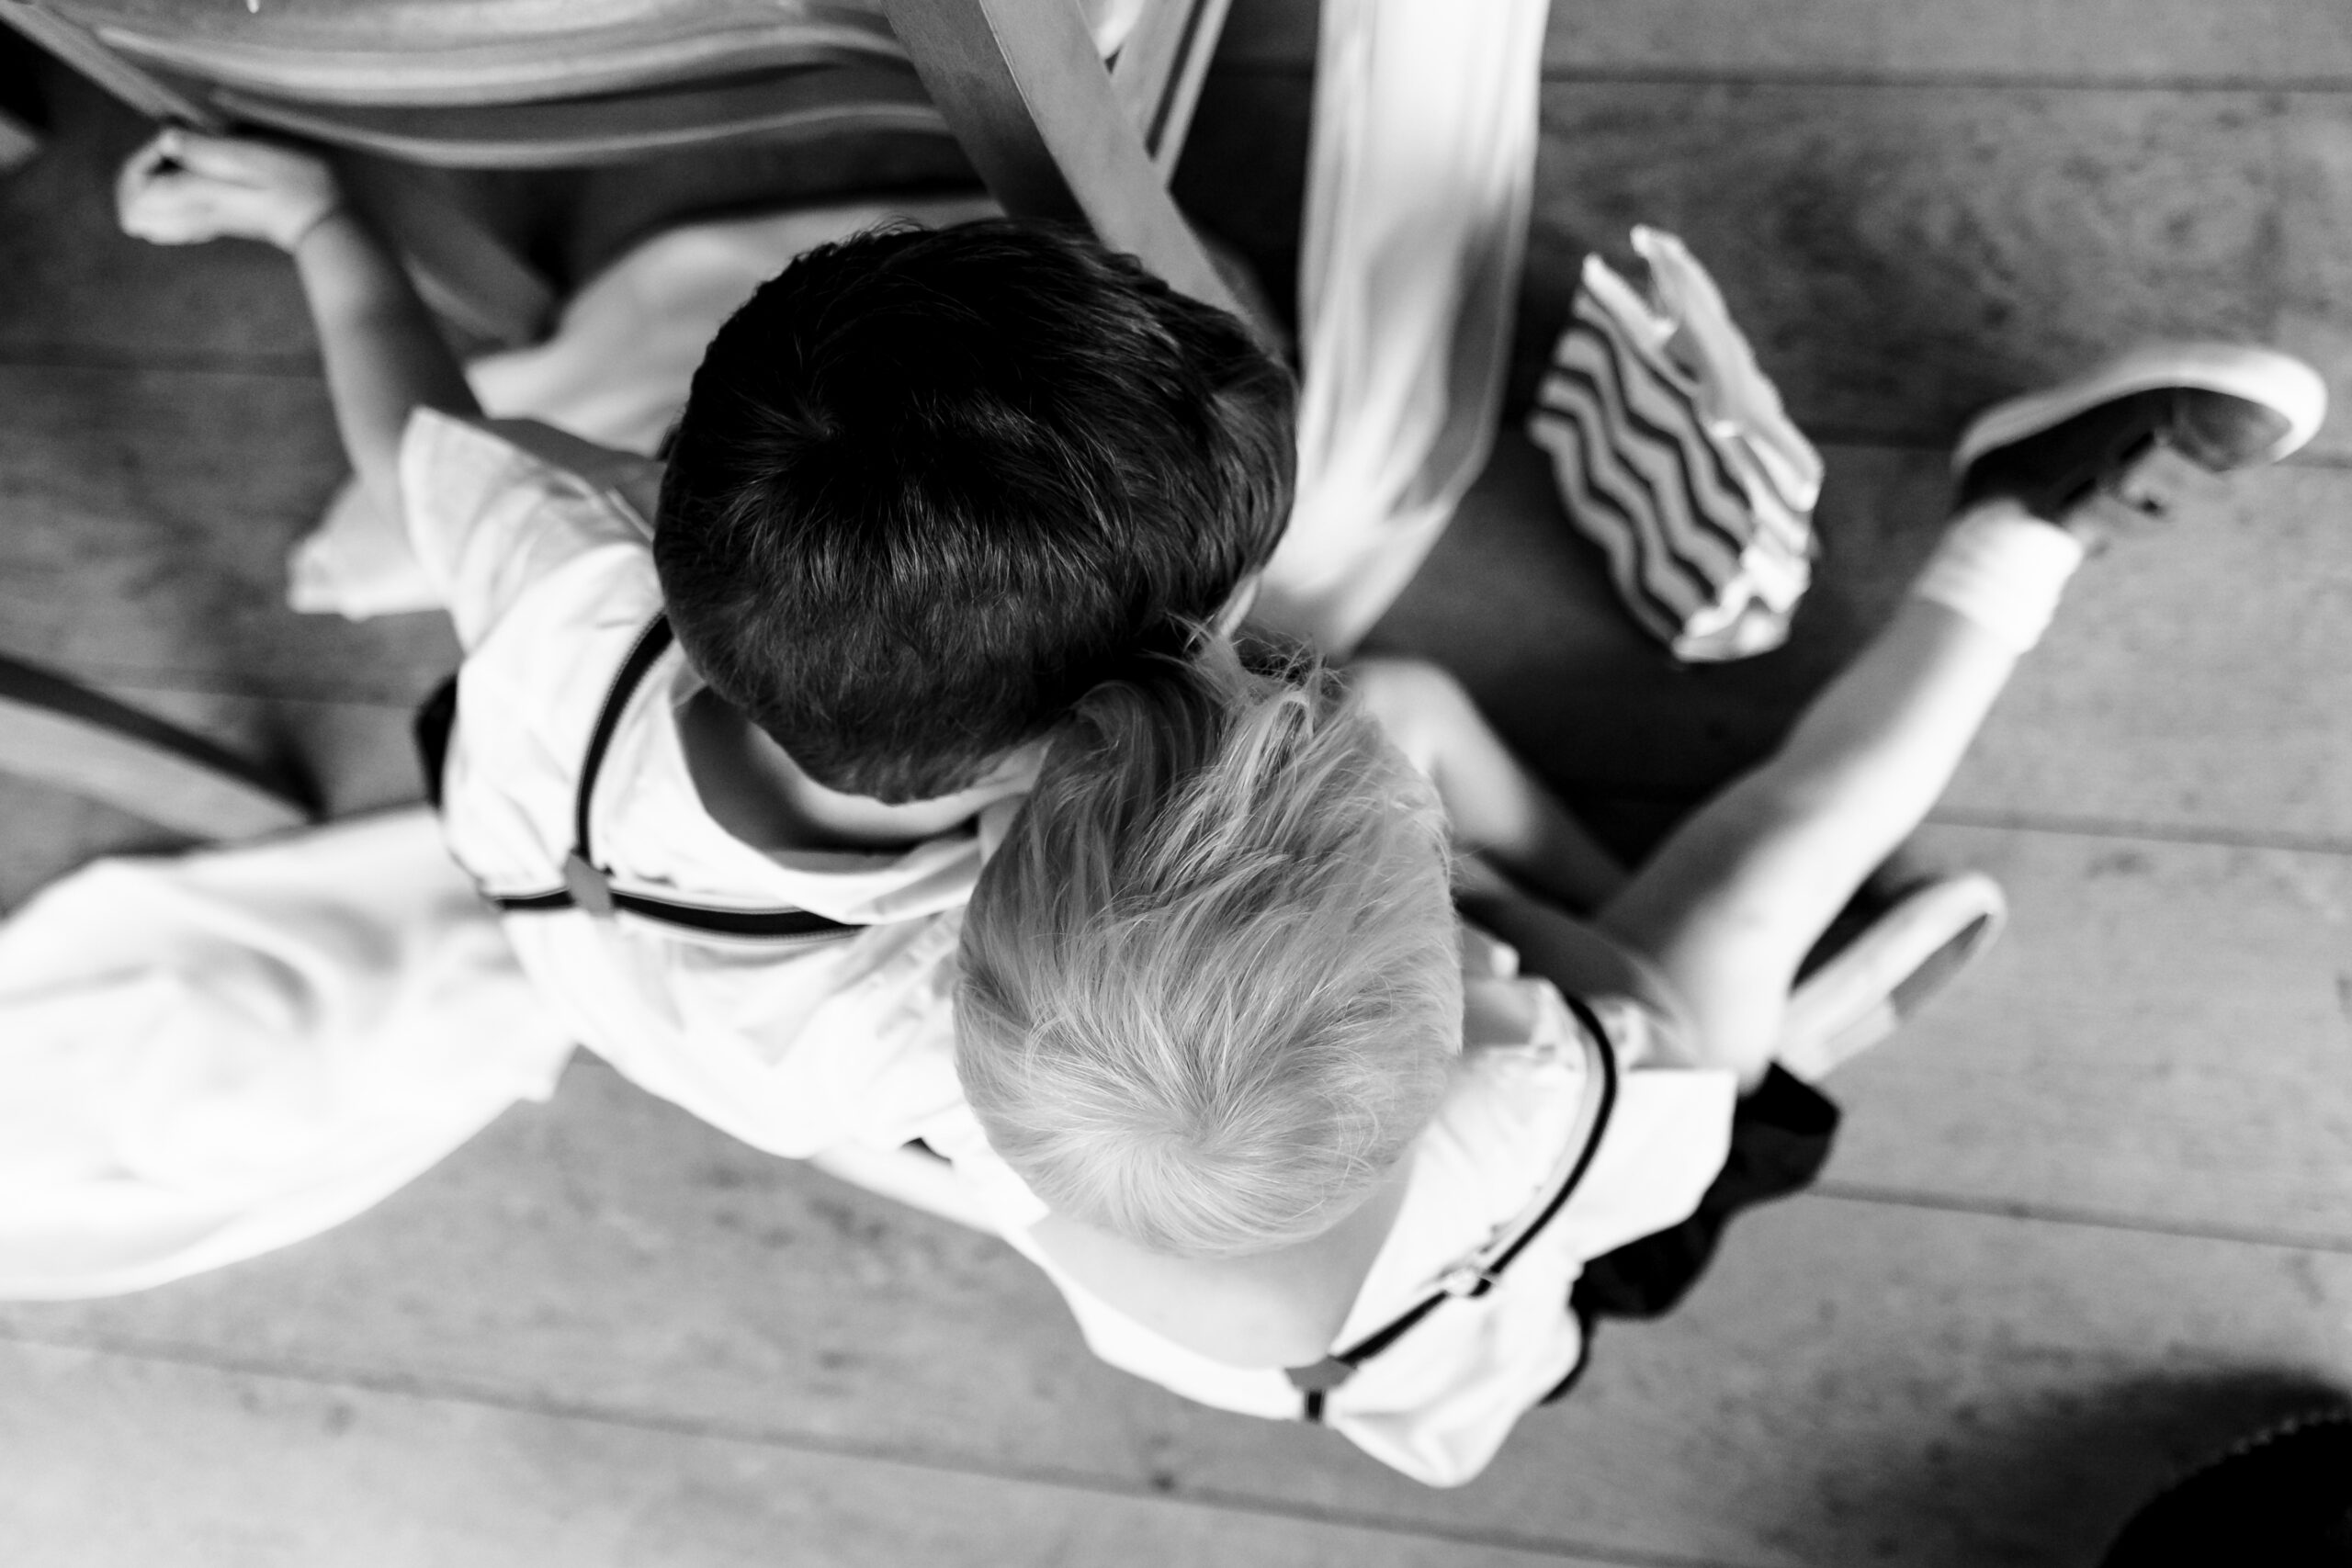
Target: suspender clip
(1322, 1377)
(590, 889)
(1466, 1280)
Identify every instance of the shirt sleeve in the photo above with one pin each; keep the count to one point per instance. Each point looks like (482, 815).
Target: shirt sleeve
(491, 507)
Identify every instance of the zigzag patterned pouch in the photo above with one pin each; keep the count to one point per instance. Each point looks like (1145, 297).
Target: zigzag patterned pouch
(1672, 453)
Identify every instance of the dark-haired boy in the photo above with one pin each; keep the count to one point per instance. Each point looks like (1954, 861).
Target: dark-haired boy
(730, 778)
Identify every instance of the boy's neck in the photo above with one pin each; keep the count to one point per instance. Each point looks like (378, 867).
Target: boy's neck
(1282, 1308)
(753, 789)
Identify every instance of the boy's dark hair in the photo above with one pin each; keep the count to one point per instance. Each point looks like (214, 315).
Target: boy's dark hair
(931, 486)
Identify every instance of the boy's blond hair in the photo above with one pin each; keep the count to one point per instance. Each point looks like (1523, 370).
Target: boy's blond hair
(1211, 981)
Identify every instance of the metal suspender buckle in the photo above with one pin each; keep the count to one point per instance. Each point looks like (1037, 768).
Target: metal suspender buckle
(1466, 1280)
(589, 888)
(1320, 1378)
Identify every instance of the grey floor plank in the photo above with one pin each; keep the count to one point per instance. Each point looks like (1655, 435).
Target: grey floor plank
(145, 521)
(640, 1261)
(2194, 679)
(46, 833)
(2314, 243)
(115, 1462)
(637, 1342)
(2159, 1038)
(349, 758)
(1858, 1382)
(1865, 1384)
(80, 292)
(2116, 41)
(2076, 41)
(1902, 255)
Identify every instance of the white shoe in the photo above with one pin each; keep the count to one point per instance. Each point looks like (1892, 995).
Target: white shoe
(1916, 947)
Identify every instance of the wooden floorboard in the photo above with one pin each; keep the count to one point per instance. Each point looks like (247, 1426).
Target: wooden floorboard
(2159, 1039)
(46, 833)
(2314, 244)
(2195, 679)
(613, 1253)
(1903, 254)
(355, 757)
(262, 1470)
(2118, 42)
(1865, 1384)
(79, 291)
(2076, 41)
(1859, 1380)
(145, 516)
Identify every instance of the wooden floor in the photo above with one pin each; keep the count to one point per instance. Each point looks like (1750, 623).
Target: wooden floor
(2091, 1218)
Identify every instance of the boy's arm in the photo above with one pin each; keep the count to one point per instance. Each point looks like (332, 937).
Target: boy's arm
(1496, 806)
(384, 357)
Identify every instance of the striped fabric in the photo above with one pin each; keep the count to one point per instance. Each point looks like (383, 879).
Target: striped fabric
(1673, 454)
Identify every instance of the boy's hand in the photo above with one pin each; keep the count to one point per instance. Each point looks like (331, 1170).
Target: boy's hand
(185, 187)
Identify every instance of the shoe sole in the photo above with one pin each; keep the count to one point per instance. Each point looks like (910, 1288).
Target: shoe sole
(2263, 375)
(1914, 951)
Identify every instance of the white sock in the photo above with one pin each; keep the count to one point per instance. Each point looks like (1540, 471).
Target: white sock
(2004, 569)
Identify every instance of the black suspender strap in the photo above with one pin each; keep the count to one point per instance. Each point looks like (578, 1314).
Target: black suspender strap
(587, 886)
(1472, 1280)
(650, 645)
(713, 920)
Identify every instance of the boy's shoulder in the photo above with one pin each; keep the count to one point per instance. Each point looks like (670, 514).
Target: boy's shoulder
(558, 455)
(494, 508)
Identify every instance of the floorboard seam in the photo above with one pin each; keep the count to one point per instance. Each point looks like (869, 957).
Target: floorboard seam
(1838, 1190)
(1891, 78)
(1938, 444)
(99, 360)
(2328, 84)
(460, 1392)
(2216, 835)
(129, 681)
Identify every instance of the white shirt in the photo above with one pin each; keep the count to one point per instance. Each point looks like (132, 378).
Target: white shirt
(540, 545)
(799, 1047)
(1525, 1093)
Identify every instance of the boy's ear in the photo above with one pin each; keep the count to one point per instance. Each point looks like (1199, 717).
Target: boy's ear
(1237, 606)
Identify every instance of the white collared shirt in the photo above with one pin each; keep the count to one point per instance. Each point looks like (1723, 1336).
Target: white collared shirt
(540, 545)
(1438, 1402)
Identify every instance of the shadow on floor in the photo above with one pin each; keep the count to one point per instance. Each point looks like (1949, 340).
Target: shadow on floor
(2070, 1473)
